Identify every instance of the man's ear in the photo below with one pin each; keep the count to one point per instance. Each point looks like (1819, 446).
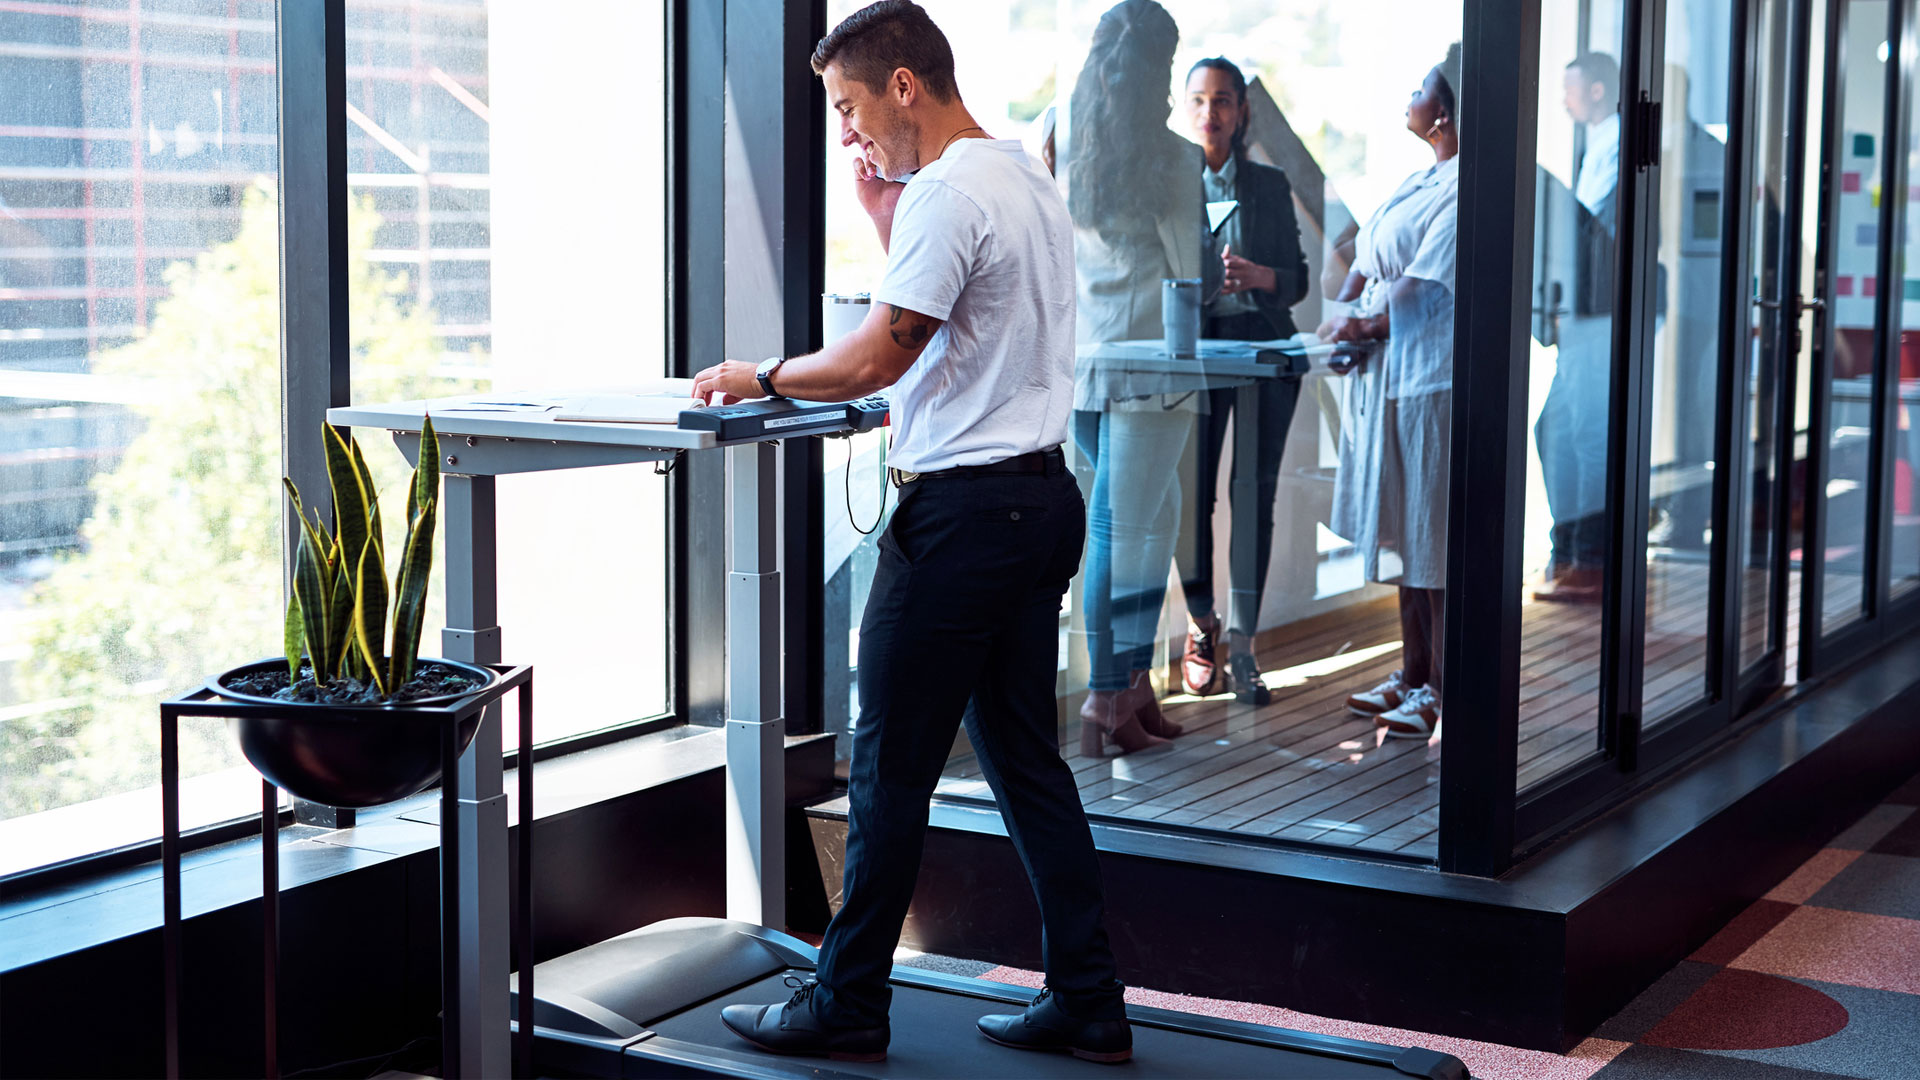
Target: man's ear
(905, 86)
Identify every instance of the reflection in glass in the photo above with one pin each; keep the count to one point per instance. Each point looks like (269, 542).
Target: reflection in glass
(1568, 525)
(1686, 355)
(1855, 248)
(1221, 597)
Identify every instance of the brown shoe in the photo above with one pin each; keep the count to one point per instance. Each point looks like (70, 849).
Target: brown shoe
(1114, 715)
(1580, 585)
(1152, 720)
(1199, 668)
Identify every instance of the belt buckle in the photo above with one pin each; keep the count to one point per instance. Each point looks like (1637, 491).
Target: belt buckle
(902, 478)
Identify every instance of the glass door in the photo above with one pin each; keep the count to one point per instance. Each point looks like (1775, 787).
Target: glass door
(1859, 294)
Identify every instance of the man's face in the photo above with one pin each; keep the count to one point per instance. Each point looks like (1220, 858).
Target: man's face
(877, 123)
(1581, 96)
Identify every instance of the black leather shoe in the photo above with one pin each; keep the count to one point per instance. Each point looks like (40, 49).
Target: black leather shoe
(792, 1028)
(1243, 674)
(1047, 1026)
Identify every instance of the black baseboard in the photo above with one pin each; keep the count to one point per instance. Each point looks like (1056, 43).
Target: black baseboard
(359, 959)
(1538, 958)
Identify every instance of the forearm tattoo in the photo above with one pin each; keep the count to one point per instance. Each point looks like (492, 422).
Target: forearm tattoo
(910, 329)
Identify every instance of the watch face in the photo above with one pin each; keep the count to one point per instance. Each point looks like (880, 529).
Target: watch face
(768, 365)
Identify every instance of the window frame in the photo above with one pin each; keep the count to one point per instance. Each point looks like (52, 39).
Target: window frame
(316, 362)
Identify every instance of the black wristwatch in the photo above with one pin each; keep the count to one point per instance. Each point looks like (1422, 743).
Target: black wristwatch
(764, 373)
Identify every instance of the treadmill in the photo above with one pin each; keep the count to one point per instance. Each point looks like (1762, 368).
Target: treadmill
(647, 1003)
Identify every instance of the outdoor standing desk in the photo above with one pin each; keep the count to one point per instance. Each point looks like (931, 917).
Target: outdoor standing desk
(493, 435)
(1118, 371)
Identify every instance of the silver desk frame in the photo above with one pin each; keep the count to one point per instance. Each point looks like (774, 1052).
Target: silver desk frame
(480, 441)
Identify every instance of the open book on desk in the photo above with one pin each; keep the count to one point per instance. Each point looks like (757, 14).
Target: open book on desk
(659, 403)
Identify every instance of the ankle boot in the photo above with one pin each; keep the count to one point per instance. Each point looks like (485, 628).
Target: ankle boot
(1115, 715)
(1152, 720)
(1243, 672)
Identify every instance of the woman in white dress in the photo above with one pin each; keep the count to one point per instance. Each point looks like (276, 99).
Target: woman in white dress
(1391, 492)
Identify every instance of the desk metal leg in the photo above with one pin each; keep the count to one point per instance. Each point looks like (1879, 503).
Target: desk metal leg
(523, 922)
(170, 885)
(472, 634)
(1245, 493)
(270, 922)
(756, 731)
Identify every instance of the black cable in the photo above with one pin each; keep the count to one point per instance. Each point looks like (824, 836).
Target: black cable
(846, 487)
(366, 1066)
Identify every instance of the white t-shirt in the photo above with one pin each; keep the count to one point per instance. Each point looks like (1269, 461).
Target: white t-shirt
(1600, 165)
(981, 240)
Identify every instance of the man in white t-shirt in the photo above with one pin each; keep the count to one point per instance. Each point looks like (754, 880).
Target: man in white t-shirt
(973, 328)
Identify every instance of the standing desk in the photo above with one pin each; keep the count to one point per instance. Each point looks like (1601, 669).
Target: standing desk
(486, 436)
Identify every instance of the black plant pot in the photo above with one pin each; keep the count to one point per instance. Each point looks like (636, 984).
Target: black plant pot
(348, 755)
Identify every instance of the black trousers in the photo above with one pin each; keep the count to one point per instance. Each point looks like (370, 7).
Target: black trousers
(963, 623)
(1250, 549)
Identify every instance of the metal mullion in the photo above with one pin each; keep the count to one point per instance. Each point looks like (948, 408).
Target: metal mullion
(1787, 334)
(1487, 469)
(1732, 451)
(698, 325)
(315, 335)
(1623, 635)
(1893, 272)
(1813, 568)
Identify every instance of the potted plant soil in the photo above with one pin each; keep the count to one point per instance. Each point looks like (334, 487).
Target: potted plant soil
(352, 669)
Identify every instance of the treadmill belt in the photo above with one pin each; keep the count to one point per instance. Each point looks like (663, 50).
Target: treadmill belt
(934, 1036)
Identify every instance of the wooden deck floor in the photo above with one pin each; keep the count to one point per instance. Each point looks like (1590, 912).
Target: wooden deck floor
(1304, 768)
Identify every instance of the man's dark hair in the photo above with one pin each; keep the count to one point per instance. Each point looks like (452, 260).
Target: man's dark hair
(879, 39)
(1598, 67)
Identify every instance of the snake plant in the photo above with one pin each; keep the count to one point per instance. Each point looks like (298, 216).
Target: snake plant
(338, 613)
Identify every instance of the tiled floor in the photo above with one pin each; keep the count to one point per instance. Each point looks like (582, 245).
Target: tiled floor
(1821, 978)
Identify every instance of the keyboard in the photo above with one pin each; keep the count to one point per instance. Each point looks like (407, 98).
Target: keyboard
(771, 418)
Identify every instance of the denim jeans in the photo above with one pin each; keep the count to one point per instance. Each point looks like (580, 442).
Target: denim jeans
(1571, 436)
(1134, 520)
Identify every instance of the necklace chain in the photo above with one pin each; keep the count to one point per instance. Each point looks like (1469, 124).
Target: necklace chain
(957, 134)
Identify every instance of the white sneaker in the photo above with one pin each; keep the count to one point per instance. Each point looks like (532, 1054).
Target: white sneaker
(1417, 717)
(1381, 699)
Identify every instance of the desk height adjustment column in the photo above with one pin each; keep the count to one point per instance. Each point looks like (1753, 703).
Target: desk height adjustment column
(756, 731)
(473, 634)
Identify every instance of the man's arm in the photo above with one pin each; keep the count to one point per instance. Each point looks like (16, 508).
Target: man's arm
(868, 360)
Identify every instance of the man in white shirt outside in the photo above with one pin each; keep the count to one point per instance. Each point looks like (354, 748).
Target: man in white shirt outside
(973, 328)
(1571, 433)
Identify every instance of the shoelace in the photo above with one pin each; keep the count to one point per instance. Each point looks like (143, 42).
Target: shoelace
(803, 991)
(1420, 697)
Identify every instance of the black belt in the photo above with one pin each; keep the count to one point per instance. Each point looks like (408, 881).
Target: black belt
(1049, 462)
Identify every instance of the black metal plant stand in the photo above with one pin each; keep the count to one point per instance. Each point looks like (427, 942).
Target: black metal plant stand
(204, 702)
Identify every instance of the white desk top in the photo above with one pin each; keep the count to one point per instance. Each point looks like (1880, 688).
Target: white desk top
(531, 417)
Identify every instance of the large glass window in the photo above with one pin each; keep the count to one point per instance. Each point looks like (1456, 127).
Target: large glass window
(507, 175)
(1264, 580)
(1904, 369)
(139, 418)
(1569, 532)
(1856, 145)
(1692, 246)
